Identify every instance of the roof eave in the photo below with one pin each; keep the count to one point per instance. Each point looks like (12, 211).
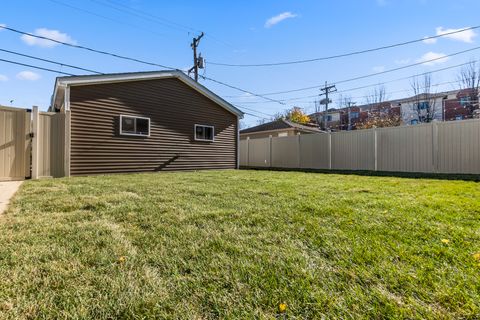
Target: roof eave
(113, 78)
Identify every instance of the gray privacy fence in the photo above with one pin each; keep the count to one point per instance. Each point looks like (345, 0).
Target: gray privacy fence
(438, 147)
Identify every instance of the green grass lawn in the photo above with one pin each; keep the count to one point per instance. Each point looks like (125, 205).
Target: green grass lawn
(235, 244)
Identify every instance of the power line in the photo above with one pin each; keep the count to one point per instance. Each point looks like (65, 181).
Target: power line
(49, 61)
(373, 74)
(254, 115)
(107, 18)
(370, 85)
(263, 96)
(342, 55)
(87, 48)
(130, 59)
(240, 89)
(145, 16)
(154, 18)
(361, 97)
(355, 98)
(405, 78)
(260, 112)
(35, 67)
(70, 74)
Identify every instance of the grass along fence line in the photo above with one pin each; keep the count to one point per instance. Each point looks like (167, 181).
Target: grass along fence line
(236, 244)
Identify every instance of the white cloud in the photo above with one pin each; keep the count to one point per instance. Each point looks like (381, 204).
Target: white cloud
(464, 36)
(279, 18)
(431, 56)
(402, 61)
(246, 97)
(2, 25)
(3, 78)
(378, 69)
(28, 75)
(43, 32)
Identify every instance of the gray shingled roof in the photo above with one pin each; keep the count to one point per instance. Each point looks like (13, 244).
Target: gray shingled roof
(279, 125)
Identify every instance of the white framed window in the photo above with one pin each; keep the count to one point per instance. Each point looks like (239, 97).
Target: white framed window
(134, 126)
(204, 132)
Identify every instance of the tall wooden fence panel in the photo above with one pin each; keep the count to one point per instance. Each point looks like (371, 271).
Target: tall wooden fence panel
(405, 149)
(285, 152)
(314, 151)
(14, 143)
(442, 147)
(353, 151)
(259, 152)
(458, 147)
(49, 144)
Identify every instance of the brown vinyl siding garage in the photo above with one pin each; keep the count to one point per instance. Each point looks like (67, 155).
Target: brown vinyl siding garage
(173, 106)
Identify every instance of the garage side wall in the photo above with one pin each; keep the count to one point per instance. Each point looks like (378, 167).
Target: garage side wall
(173, 108)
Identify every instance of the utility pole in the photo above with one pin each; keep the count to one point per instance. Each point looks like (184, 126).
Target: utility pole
(350, 104)
(325, 92)
(197, 62)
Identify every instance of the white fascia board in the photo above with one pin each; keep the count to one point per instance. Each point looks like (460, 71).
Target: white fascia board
(111, 78)
(58, 96)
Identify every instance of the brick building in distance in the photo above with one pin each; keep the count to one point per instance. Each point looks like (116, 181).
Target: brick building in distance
(445, 106)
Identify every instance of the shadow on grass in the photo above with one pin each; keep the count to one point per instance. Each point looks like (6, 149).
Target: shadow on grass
(413, 175)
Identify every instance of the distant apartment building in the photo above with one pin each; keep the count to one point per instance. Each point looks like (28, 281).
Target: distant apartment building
(353, 117)
(460, 105)
(444, 106)
(421, 108)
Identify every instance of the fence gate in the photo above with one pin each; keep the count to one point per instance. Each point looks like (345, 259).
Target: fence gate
(15, 143)
(48, 144)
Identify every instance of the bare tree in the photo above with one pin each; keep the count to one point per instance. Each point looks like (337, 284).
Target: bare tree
(376, 96)
(424, 100)
(262, 121)
(469, 79)
(379, 110)
(345, 102)
(377, 106)
(317, 114)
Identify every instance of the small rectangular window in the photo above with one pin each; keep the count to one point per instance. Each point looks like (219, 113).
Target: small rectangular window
(423, 105)
(204, 133)
(464, 101)
(134, 126)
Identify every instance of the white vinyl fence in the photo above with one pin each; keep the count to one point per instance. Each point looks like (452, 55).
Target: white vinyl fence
(438, 147)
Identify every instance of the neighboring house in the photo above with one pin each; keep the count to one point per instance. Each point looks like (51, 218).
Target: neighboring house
(334, 119)
(277, 128)
(145, 121)
(446, 106)
(414, 109)
(460, 105)
(349, 118)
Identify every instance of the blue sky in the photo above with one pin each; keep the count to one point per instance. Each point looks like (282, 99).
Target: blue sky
(240, 32)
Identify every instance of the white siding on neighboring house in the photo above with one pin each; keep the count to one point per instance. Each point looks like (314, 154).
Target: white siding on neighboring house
(334, 116)
(410, 114)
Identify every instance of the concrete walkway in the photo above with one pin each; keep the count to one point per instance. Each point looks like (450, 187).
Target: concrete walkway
(7, 190)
